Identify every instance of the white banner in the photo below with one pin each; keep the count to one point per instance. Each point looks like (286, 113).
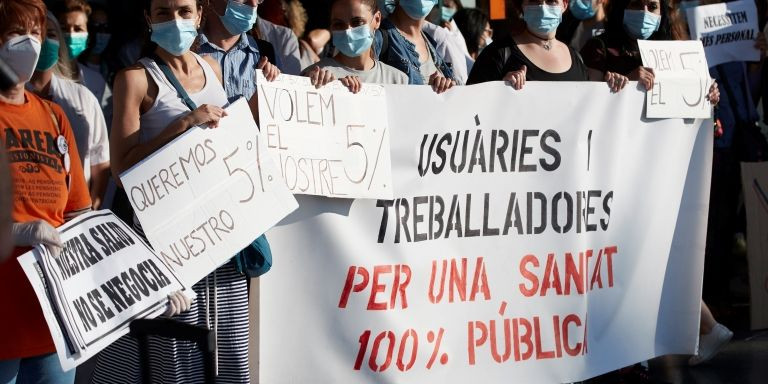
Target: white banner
(754, 178)
(206, 195)
(681, 79)
(328, 141)
(727, 30)
(527, 240)
(105, 277)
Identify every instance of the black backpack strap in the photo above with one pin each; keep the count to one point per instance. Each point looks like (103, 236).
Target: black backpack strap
(175, 82)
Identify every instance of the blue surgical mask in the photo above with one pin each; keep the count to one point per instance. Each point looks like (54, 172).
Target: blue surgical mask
(49, 55)
(238, 17)
(685, 5)
(386, 7)
(582, 9)
(641, 24)
(447, 13)
(77, 42)
(101, 42)
(354, 41)
(417, 9)
(175, 36)
(542, 19)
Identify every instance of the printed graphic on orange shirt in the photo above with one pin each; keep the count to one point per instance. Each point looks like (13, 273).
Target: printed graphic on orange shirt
(33, 152)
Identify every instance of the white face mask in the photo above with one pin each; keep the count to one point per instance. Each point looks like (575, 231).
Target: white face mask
(21, 54)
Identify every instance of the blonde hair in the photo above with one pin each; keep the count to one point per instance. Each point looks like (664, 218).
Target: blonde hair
(296, 16)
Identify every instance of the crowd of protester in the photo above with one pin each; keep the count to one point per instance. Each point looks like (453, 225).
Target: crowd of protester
(102, 85)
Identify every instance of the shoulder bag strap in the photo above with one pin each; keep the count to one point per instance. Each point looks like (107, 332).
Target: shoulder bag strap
(175, 82)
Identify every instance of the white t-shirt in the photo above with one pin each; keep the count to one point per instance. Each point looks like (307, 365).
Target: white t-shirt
(87, 120)
(379, 74)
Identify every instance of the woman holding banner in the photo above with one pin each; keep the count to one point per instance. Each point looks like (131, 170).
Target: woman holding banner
(402, 44)
(531, 52)
(353, 25)
(48, 189)
(616, 50)
(171, 90)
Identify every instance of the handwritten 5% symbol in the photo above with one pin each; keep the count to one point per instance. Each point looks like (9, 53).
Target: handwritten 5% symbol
(385, 343)
(236, 170)
(357, 148)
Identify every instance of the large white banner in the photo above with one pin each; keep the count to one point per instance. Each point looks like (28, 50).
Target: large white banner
(328, 141)
(206, 195)
(529, 240)
(105, 277)
(727, 30)
(681, 79)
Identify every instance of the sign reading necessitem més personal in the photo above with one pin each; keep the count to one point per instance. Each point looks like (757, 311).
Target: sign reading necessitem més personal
(727, 30)
(209, 193)
(105, 277)
(328, 141)
(681, 79)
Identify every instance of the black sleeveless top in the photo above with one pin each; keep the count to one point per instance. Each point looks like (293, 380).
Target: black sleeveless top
(505, 56)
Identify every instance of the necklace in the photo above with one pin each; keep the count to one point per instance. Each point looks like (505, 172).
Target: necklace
(545, 43)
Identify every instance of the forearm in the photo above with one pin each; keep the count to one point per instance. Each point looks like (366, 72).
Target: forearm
(140, 151)
(99, 178)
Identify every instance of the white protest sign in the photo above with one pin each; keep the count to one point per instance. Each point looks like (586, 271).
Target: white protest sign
(755, 183)
(727, 31)
(328, 141)
(105, 277)
(521, 244)
(681, 79)
(206, 195)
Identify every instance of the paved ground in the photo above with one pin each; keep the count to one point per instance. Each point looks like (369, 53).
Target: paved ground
(743, 361)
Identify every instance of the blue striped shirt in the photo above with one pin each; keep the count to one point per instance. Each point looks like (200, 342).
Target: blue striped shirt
(238, 65)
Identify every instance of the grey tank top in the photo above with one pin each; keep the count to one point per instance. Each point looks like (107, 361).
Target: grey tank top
(168, 106)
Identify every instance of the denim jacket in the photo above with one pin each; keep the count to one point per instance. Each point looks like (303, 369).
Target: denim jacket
(401, 53)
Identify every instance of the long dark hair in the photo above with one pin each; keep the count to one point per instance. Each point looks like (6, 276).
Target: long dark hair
(615, 25)
(471, 22)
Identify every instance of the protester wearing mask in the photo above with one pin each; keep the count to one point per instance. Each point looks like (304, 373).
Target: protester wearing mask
(73, 16)
(402, 43)
(27, 352)
(616, 50)
(476, 29)
(449, 42)
(224, 37)
(615, 55)
(149, 113)
(532, 53)
(80, 106)
(100, 35)
(353, 24)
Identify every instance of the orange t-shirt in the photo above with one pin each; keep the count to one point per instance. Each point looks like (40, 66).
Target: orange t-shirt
(40, 192)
